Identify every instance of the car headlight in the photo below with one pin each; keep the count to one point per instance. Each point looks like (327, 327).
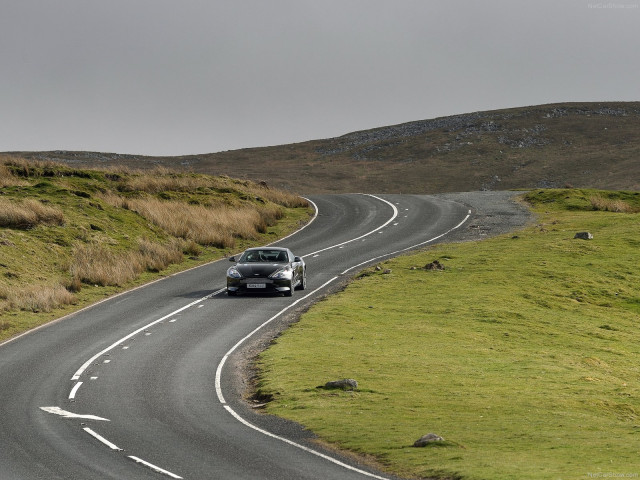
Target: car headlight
(234, 273)
(284, 272)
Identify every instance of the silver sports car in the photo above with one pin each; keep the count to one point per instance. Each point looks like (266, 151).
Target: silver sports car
(266, 269)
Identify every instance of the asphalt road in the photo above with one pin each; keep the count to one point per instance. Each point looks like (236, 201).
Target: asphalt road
(145, 385)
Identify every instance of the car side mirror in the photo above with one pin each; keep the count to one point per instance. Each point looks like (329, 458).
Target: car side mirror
(232, 259)
(297, 259)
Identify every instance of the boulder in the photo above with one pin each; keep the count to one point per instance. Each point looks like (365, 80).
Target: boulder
(435, 265)
(345, 384)
(427, 439)
(583, 236)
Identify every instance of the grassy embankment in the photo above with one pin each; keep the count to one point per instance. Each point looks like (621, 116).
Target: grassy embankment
(524, 353)
(70, 237)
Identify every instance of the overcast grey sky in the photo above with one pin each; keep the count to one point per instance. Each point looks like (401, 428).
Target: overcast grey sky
(173, 77)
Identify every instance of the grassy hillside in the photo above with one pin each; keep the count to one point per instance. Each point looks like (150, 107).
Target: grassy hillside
(586, 145)
(70, 236)
(523, 354)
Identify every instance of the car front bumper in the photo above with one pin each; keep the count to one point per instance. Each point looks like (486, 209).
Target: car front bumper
(258, 285)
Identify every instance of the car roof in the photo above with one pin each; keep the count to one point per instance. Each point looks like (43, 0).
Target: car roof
(266, 248)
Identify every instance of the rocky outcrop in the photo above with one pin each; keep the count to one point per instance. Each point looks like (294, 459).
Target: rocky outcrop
(466, 127)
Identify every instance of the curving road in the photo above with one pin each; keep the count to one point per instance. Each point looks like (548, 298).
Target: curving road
(143, 385)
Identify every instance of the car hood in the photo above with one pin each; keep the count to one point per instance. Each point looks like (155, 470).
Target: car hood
(258, 269)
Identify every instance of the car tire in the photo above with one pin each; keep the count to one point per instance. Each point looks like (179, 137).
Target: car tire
(230, 293)
(303, 282)
(289, 293)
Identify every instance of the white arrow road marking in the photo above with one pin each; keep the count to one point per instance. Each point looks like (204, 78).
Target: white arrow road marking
(65, 414)
(218, 378)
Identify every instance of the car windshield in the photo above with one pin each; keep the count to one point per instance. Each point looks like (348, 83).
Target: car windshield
(270, 256)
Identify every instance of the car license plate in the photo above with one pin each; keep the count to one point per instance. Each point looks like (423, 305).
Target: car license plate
(256, 285)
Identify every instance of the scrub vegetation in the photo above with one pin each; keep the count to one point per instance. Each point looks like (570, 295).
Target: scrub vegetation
(70, 236)
(523, 353)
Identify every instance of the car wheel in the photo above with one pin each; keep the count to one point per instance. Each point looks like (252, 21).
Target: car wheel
(289, 293)
(303, 282)
(230, 293)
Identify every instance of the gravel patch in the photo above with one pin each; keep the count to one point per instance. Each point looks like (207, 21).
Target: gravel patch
(494, 213)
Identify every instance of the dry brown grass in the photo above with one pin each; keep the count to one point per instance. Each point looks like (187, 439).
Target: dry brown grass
(28, 167)
(281, 197)
(217, 226)
(36, 298)
(155, 257)
(610, 205)
(28, 213)
(100, 266)
(191, 248)
(163, 180)
(7, 178)
(112, 199)
(95, 264)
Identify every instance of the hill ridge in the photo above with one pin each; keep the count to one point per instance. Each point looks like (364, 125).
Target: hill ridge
(589, 144)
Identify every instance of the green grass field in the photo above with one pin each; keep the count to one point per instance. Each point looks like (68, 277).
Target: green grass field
(523, 354)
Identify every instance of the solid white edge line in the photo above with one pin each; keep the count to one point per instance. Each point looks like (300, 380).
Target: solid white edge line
(153, 467)
(393, 217)
(249, 335)
(74, 390)
(101, 439)
(218, 382)
(302, 447)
